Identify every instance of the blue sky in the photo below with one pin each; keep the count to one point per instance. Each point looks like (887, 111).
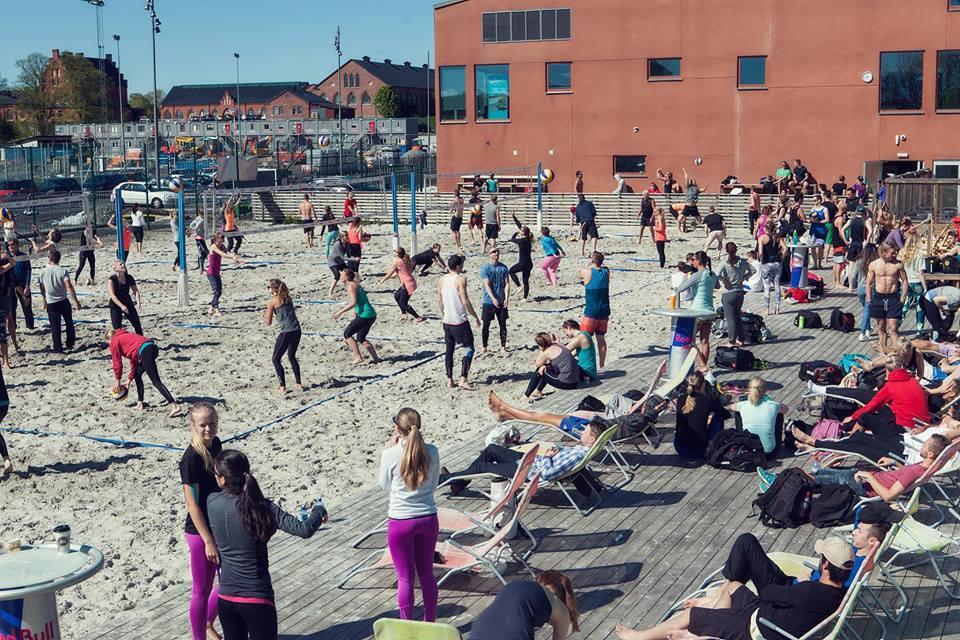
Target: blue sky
(277, 40)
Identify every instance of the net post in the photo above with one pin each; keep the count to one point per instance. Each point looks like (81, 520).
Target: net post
(183, 294)
(539, 197)
(118, 221)
(413, 213)
(396, 211)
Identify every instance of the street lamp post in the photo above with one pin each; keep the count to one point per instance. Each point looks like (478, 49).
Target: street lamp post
(123, 143)
(237, 110)
(154, 30)
(336, 45)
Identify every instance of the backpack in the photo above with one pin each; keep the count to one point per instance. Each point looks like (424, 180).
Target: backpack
(807, 319)
(754, 328)
(842, 321)
(798, 295)
(734, 358)
(786, 504)
(590, 403)
(820, 372)
(816, 285)
(833, 506)
(737, 450)
(849, 360)
(837, 409)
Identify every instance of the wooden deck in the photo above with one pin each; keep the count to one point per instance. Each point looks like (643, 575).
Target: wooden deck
(648, 544)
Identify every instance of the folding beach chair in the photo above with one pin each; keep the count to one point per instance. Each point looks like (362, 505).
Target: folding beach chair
(393, 629)
(457, 522)
(457, 558)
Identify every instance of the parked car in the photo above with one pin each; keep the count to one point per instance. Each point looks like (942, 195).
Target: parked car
(59, 185)
(140, 193)
(16, 189)
(333, 183)
(103, 181)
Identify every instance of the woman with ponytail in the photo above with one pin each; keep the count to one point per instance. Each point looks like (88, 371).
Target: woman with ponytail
(734, 272)
(761, 415)
(196, 475)
(409, 471)
(243, 521)
(522, 607)
(702, 282)
(700, 418)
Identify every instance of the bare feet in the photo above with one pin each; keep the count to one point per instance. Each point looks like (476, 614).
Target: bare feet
(802, 437)
(496, 407)
(626, 633)
(7, 467)
(536, 395)
(212, 633)
(282, 390)
(357, 361)
(683, 634)
(451, 385)
(466, 386)
(176, 411)
(695, 602)
(140, 406)
(298, 386)
(420, 319)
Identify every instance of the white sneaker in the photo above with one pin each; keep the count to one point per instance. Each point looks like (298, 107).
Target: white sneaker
(864, 337)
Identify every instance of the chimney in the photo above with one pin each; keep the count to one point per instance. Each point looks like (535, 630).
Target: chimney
(406, 63)
(109, 57)
(366, 58)
(386, 61)
(56, 54)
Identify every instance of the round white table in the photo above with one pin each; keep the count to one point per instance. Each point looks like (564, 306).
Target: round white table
(29, 581)
(683, 325)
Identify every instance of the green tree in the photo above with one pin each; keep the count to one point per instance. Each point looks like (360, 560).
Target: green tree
(4, 85)
(36, 103)
(386, 102)
(7, 131)
(144, 102)
(81, 94)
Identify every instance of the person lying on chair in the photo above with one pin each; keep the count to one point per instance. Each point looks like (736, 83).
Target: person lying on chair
(794, 607)
(552, 464)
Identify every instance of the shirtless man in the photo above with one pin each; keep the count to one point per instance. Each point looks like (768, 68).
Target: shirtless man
(307, 214)
(885, 302)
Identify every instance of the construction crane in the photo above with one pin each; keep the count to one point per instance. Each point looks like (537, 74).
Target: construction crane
(101, 59)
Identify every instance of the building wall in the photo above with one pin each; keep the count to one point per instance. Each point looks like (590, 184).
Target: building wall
(225, 106)
(412, 102)
(815, 105)
(57, 81)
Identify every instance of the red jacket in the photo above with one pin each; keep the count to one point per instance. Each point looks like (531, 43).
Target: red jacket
(126, 345)
(905, 397)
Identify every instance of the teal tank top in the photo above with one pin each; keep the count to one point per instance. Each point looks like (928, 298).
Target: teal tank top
(587, 358)
(703, 294)
(597, 293)
(363, 308)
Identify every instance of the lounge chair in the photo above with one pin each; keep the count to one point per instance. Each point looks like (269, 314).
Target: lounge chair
(457, 522)
(393, 629)
(457, 558)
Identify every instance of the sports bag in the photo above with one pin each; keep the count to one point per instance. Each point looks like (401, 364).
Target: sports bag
(737, 450)
(816, 285)
(842, 321)
(834, 408)
(808, 320)
(590, 403)
(786, 503)
(734, 358)
(798, 295)
(820, 372)
(833, 506)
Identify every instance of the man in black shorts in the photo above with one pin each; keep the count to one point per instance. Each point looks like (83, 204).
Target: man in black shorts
(586, 216)
(887, 287)
(491, 222)
(426, 259)
(795, 607)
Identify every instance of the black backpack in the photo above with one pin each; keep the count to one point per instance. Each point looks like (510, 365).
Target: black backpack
(842, 321)
(786, 504)
(811, 320)
(590, 403)
(734, 358)
(833, 506)
(737, 450)
(820, 372)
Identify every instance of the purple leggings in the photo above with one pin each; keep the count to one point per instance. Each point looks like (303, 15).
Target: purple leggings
(203, 600)
(411, 543)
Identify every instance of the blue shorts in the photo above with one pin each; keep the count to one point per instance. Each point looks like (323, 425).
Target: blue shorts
(574, 425)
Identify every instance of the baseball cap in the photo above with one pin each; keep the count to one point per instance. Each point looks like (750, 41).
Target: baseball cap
(837, 551)
(455, 261)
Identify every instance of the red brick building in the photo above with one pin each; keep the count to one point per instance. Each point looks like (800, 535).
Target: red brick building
(362, 79)
(718, 87)
(266, 100)
(57, 80)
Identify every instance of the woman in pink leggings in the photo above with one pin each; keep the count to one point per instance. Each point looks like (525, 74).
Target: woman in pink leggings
(552, 254)
(196, 474)
(409, 471)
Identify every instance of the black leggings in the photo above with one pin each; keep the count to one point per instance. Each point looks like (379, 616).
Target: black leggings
(116, 317)
(865, 444)
(176, 254)
(87, 256)
(661, 245)
(539, 381)
(524, 269)
(288, 342)
(454, 334)
(4, 406)
(402, 296)
(748, 562)
(495, 459)
(487, 315)
(202, 252)
(940, 322)
(148, 365)
(247, 620)
(233, 244)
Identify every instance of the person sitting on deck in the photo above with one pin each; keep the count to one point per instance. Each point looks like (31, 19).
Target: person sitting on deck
(580, 344)
(555, 366)
(793, 607)
(700, 417)
(761, 415)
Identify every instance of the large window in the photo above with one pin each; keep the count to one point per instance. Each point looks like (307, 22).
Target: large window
(901, 80)
(751, 72)
(663, 68)
(630, 165)
(558, 76)
(521, 26)
(953, 5)
(948, 80)
(493, 91)
(453, 93)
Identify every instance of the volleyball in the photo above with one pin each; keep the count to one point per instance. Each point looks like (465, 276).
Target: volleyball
(323, 142)
(176, 185)
(546, 176)
(5, 215)
(119, 392)
(477, 209)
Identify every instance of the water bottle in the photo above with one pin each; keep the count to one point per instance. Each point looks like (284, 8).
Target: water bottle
(800, 321)
(304, 514)
(816, 466)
